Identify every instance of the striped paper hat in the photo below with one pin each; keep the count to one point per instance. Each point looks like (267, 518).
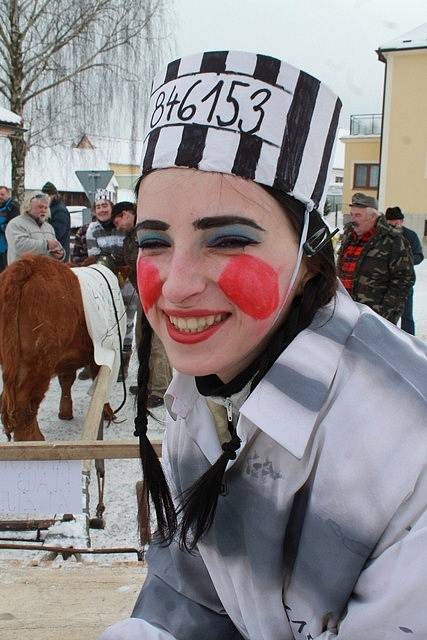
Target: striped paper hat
(103, 194)
(245, 114)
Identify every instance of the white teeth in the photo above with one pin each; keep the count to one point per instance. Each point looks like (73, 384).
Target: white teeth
(195, 325)
(192, 323)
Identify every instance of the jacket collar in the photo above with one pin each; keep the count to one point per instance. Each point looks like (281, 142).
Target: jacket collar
(286, 403)
(300, 380)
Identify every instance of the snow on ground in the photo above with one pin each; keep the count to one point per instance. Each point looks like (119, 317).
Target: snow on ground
(121, 475)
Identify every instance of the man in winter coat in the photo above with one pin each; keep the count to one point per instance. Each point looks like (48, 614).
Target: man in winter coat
(8, 209)
(395, 217)
(124, 218)
(374, 261)
(59, 217)
(30, 233)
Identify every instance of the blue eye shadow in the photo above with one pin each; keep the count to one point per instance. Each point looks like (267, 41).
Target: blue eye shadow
(235, 231)
(151, 236)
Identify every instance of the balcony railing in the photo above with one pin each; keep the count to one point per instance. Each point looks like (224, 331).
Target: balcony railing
(366, 124)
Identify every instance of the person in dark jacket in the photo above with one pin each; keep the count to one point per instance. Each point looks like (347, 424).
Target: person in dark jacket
(9, 209)
(59, 217)
(395, 217)
(374, 261)
(160, 372)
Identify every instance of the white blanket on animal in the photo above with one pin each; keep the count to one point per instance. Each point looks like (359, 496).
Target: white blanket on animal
(100, 316)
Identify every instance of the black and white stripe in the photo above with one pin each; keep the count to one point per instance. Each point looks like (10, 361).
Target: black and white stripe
(292, 147)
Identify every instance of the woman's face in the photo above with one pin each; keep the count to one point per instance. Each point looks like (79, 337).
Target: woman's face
(103, 210)
(216, 256)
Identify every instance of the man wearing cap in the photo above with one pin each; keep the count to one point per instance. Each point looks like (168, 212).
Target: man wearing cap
(124, 218)
(59, 217)
(395, 217)
(374, 261)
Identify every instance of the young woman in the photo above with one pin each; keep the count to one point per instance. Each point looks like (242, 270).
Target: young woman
(294, 504)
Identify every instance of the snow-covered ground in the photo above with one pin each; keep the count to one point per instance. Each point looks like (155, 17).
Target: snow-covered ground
(121, 475)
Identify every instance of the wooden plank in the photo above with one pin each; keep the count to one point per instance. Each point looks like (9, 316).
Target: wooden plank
(96, 405)
(74, 450)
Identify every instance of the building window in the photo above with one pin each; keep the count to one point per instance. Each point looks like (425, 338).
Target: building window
(366, 176)
(339, 179)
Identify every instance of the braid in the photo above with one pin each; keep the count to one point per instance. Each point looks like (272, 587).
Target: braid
(154, 483)
(199, 502)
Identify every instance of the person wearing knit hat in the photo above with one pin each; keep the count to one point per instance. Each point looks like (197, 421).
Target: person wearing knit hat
(160, 373)
(60, 218)
(291, 502)
(395, 218)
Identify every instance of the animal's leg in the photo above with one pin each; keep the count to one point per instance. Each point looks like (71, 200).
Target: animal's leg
(66, 381)
(27, 431)
(25, 426)
(21, 401)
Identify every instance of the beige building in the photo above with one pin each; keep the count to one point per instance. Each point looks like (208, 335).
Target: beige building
(386, 155)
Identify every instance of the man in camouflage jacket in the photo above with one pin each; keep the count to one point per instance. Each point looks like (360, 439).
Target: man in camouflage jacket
(374, 261)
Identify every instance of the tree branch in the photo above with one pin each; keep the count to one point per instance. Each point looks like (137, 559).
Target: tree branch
(120, 36)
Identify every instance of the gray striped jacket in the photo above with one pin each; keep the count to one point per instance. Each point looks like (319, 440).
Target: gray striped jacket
(322, 533)
(106, 240)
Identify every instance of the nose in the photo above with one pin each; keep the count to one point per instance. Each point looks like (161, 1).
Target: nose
(184, 281)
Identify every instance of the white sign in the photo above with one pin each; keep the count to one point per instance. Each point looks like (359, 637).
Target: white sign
(44, 488)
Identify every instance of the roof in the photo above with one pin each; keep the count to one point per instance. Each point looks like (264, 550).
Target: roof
(415, 39)
(9, 117)
(118, 150)
(58, 165)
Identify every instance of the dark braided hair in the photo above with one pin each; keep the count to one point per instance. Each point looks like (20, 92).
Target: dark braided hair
(198, 503)
(154, 482)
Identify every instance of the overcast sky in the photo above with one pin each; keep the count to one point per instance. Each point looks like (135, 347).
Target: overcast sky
(334, 40)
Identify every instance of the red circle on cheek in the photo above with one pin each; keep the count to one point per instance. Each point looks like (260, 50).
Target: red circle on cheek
(252, 284)
(149, 283)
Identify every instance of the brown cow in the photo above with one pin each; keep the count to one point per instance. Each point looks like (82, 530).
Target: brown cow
(42, 334)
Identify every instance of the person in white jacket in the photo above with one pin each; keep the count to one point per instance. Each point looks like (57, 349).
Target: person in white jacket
(31, 233)
(293, 500)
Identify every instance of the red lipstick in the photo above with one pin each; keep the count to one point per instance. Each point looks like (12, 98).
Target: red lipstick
(192, 338)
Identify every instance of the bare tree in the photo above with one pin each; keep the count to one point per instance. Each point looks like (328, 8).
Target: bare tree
(66, 62)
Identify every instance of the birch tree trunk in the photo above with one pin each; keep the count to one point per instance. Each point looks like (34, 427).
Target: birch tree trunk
(64, 63)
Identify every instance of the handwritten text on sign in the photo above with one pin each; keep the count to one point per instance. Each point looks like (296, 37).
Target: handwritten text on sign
(228, 101)
(40, 487)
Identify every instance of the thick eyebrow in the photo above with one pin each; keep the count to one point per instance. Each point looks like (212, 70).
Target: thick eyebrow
(158, 225)
(221, 221)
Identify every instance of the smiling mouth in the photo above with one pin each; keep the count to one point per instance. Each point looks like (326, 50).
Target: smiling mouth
(196, 324)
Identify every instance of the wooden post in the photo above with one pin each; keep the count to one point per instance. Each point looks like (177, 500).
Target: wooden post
(96, 407)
